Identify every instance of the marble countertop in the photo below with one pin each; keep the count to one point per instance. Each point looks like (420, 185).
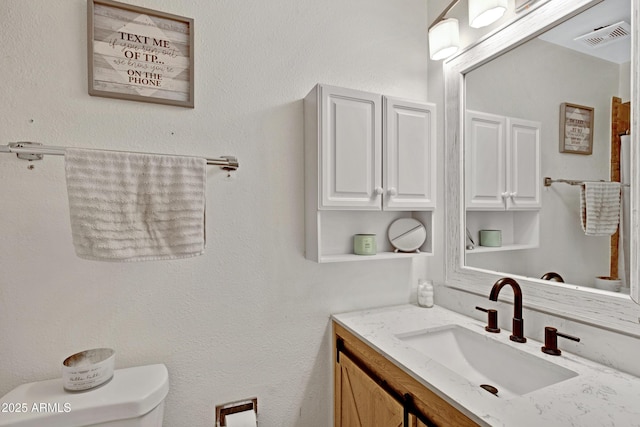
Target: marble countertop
(597, 396)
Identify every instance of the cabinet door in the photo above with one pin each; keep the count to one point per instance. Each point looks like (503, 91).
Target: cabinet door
(351, 146)
(523, 167)
(484, 157)
(409, 155)
(362, 402)
(414, 422)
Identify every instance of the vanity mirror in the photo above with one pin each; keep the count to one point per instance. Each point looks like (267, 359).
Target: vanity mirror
(493, 90)
(512, 128)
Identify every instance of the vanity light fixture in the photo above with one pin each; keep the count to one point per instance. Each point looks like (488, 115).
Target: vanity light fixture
(444, 34)
(444, 39)
(485, 12)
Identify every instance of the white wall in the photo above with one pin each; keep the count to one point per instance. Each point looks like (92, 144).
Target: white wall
(625, 81)
(251, 316)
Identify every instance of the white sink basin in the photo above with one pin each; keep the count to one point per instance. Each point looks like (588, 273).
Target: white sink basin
(485, 361)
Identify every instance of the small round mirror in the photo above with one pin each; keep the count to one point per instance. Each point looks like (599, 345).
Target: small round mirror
(407, 235)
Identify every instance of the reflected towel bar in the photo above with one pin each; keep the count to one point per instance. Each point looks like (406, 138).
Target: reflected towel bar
(548, 181)
(35, 151)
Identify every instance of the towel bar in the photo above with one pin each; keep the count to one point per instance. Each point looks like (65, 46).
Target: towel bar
(548, 181)
(36, 151)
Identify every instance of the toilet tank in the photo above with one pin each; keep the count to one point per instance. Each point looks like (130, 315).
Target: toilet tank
(134, 397)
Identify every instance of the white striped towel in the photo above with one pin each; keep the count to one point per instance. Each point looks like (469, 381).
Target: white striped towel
(135, 207)
(600, 208)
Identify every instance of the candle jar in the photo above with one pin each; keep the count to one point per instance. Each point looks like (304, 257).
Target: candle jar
(364, 244)
(491, 238)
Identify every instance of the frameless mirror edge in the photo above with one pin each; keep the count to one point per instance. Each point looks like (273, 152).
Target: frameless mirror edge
(616, 313)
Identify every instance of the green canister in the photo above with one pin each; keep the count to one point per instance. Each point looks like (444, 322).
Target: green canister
(364, 244)
(491, 238)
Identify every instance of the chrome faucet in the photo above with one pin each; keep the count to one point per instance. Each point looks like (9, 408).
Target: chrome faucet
(517, 332)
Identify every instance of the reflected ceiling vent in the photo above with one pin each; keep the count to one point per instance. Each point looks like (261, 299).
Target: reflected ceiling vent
(605, 35)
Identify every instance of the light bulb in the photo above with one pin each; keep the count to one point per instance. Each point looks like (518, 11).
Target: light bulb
(485, 12)
(444, 39)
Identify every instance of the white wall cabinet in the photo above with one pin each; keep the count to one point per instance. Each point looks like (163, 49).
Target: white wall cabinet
(502, 173)
(350, 145)
(502, 162)
(409, 155)
(364, 153)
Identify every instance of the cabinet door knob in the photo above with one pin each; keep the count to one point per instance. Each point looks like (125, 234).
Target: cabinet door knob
(392, 191)
(513, 194)
(379, 191)
(505, 195)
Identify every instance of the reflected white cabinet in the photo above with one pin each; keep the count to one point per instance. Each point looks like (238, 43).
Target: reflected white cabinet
(524, 182)
(502, 162)
(365, 152)
(502, 179)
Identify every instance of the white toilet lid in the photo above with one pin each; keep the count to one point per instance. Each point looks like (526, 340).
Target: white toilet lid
(132, 392)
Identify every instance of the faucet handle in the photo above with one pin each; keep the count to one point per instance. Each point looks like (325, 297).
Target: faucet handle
(493, 319)
(551, 340)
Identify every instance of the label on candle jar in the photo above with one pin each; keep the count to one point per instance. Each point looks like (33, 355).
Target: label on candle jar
(364, 244)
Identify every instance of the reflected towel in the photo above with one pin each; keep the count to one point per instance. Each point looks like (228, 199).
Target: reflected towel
(600, 208)
(135, 207)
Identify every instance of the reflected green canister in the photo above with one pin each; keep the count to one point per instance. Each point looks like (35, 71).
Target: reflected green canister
(491, 238)
(364, 244)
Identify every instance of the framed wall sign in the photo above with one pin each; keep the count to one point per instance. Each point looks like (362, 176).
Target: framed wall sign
(139, 54)
(576, 129)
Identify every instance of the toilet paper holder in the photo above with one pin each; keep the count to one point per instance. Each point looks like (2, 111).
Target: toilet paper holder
(234, 407)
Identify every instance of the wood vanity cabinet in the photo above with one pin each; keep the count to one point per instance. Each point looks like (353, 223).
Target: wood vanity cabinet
(369, 391)
(362, 401)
